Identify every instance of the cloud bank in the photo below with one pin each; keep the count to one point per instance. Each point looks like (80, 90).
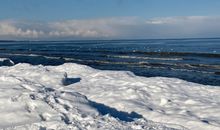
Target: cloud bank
(110, 28)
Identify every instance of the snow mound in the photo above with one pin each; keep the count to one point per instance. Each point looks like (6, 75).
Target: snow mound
(169, 101)
(40, 98)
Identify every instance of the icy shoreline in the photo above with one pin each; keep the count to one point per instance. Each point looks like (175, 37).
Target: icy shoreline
(73, 96)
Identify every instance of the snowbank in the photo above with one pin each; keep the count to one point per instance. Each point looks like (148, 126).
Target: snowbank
(73, 96)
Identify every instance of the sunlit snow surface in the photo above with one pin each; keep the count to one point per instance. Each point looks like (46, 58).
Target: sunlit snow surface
(73, 96)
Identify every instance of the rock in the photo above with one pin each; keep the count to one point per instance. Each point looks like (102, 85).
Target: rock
(6, 62)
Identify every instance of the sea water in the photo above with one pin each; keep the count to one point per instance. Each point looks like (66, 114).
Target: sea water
(194, 60)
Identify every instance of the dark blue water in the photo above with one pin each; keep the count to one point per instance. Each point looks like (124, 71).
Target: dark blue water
(195, 60)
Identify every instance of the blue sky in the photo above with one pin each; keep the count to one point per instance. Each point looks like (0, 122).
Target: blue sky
(47, 10)
(45, 19)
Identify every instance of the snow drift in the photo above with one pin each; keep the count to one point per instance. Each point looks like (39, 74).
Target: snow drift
(72, 96)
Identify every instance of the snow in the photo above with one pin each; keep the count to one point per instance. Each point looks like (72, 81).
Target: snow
(73, 96)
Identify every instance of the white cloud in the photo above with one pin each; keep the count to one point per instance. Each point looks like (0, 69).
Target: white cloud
(94, 28)
(175, 20)
(9, 29)
(188, 26)
(108, 28)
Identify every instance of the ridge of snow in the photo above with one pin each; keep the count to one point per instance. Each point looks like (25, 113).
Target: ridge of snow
(73, 96)
(38, 98)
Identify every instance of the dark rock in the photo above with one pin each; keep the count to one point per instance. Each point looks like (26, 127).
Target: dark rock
(6, 62)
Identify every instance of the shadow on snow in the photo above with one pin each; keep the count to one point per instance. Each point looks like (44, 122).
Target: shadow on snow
(123, 116)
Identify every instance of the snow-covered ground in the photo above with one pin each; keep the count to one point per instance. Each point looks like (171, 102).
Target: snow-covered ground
(73, 96)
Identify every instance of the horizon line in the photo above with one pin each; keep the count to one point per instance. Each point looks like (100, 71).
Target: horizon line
(8, 40)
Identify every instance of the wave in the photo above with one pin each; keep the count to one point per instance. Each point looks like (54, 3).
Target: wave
(200, 68)
(180, 69)
(200, 54)
(118, 52)
(143, 58)
(188, 67)
(185, 65)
